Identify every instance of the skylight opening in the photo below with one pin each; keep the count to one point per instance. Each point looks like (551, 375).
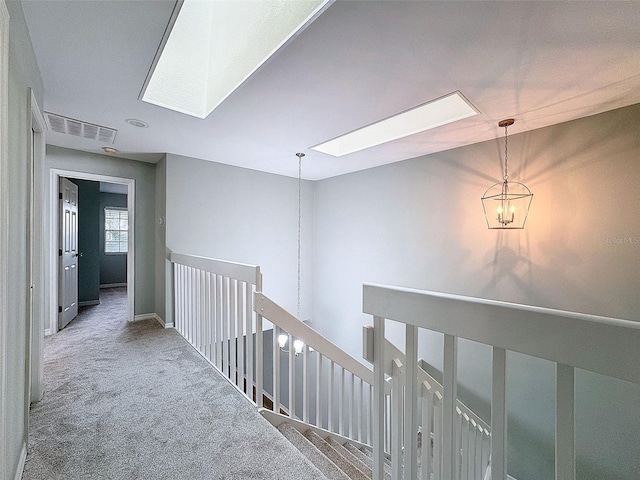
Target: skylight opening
(214, 46)
(438, 112)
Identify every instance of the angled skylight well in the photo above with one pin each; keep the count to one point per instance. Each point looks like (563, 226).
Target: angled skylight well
(214, 46)
(438, 112)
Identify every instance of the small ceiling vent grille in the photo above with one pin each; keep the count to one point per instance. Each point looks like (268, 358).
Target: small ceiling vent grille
(77, 128)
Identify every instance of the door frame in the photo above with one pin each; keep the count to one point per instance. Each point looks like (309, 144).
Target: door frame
(55, 175)
(4, 217)
(36, 147)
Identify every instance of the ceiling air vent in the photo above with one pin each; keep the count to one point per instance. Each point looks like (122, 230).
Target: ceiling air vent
(77, 128)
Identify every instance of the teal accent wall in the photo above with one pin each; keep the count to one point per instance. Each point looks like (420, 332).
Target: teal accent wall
(88, 240)
(113, 267)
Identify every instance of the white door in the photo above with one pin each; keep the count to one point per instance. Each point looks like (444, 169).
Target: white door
(68, 253)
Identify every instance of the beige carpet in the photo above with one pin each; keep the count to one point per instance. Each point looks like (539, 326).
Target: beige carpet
(135, 401)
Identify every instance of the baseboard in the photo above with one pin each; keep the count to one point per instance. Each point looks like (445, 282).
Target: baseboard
(47, 332)
(113, 285)
(88, 303)
(23, 459)
(153, 316)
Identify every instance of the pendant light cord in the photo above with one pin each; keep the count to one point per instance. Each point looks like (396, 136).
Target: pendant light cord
(506, 154)
(299, 155)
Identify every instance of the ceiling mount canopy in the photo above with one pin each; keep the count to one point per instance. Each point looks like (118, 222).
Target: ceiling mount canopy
(506, 204)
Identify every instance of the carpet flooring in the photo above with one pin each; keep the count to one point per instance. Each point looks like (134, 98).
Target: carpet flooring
(131, 400)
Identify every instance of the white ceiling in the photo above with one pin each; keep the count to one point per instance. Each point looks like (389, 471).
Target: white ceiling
(360, 61)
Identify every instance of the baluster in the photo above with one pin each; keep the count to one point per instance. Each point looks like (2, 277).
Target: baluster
(292, 378)
(233, 369)
(499, 415)
(486, 451)
(352, 416)
(471, 462)
(341, 402)
(207, 315)
(464, 451)
(248, 312)
(450, 454)
(331, 384)
(437, 436)
(362, 414)
(411, 403)
(379, 399)
(305, 383)
(240, 340)
(225, 326)
(318, 389)
(277, 401)
(396, 420)
(187, 329)
(177, 288)
(219, 321)
(259, 362)
(426, 453)
(199, 319)
(370, 423)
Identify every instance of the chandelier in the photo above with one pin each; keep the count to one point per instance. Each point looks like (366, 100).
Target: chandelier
(506, 204)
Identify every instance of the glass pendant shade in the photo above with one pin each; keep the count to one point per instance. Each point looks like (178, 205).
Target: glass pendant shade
(506, 204)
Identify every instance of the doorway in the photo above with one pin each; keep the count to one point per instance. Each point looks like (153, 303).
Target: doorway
(129, 184)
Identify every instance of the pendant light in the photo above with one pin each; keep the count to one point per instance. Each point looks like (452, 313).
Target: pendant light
(506, 204)
(283, 338)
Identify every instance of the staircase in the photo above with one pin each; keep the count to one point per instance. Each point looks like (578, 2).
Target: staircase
(337, 461)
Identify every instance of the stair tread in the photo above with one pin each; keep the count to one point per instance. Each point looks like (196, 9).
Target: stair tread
(350, 457)
(352, 471)
(315, 456)
(366, 459)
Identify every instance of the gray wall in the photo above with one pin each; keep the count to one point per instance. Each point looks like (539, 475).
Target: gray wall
(23, 73)
(245, 216)
(113, 267)
(420, 224)
(144, 175)
(88, 240)
(162, 264)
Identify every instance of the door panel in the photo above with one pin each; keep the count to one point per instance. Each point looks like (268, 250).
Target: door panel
(68, 252)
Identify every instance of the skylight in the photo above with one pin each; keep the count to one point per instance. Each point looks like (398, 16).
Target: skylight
(438, 112)
(214, 46)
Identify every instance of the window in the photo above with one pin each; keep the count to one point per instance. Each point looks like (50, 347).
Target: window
(116, 230)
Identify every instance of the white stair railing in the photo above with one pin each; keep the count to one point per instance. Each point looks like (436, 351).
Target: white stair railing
(472, 433)
(213, 311)
(325, 378)
(603, 345)
(220, 310)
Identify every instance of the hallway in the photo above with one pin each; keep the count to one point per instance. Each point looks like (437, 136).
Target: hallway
(135, 401)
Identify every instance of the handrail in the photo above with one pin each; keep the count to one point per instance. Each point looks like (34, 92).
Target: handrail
(240, 271)
(603, 345)
(280, 317)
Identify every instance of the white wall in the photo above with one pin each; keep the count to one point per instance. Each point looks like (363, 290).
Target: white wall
(23, 73)
(245, 216)
(145, 197)
(420, 224)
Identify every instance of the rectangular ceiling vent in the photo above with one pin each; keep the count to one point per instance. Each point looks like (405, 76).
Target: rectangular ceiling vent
(78, 128)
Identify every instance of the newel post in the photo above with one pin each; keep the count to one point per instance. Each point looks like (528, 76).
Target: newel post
(378, 398)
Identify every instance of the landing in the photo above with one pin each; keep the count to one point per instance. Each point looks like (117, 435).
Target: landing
(133, 400)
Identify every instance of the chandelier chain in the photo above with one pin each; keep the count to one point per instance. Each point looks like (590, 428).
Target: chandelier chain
(299, 155)
(506, 153)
